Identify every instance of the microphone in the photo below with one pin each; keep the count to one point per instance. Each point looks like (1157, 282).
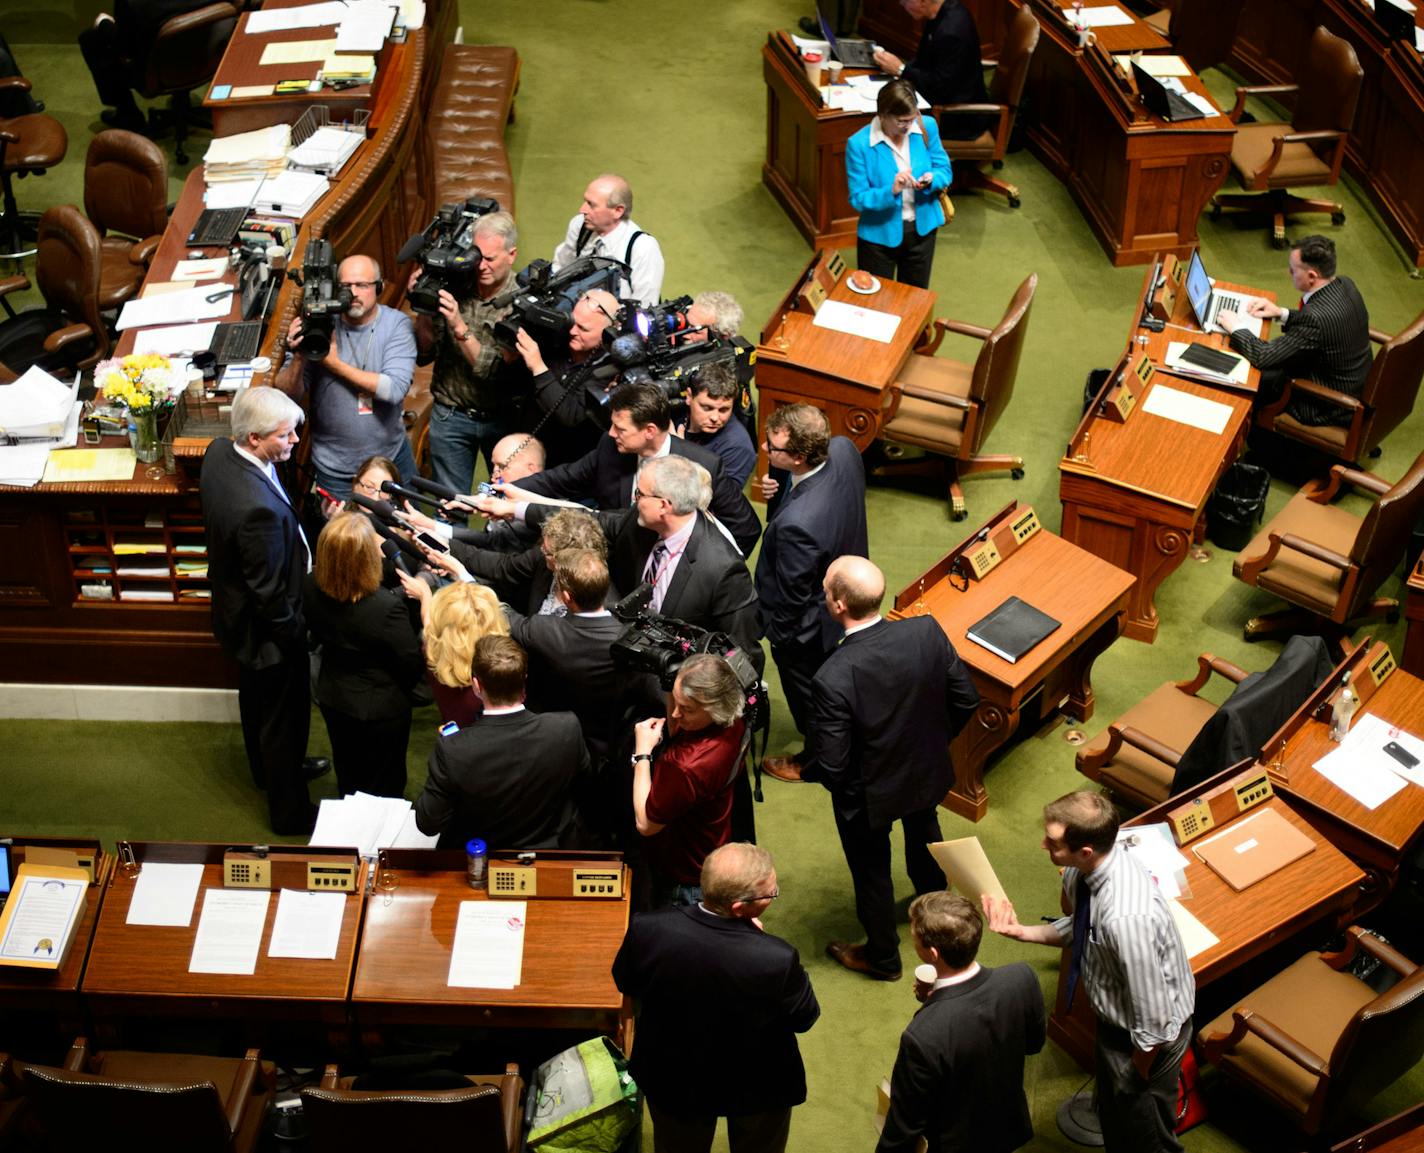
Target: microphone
(394, 538)
(411, 248)
(404, 493)
(444, 492)
(382, 510)
(395, 556)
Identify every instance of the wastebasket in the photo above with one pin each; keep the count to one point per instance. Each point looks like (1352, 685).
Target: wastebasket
(1237, 506)
(1096, 379)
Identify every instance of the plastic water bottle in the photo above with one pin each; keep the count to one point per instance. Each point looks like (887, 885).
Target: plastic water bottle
(1344, 709)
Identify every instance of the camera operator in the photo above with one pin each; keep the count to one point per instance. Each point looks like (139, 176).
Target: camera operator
(718, 312)
(474, 389)
(354, 393)
(713, 423)
(684, 768)
(569, 433)
(604, 226)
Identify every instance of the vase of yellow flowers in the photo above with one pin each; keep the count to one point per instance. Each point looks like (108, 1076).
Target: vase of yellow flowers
(143, 384)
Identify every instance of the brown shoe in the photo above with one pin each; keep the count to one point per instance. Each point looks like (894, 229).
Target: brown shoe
(783, 769)
(853, 958)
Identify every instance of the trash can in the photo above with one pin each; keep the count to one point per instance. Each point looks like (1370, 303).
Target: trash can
(1238, 505)
(1096, 379)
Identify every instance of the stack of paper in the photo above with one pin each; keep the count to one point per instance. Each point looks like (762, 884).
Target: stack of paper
(174, 308)
(291, 193)
(325, 151)
(351, 69)
(365, 26)
(248, 155)
(35, 407)
(370, 823)
(303, 16)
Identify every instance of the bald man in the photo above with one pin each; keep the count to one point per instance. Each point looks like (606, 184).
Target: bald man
(355, 394)
(884, 707)
(603, 226)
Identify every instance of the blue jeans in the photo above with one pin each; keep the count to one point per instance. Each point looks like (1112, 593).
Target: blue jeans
(454, 440)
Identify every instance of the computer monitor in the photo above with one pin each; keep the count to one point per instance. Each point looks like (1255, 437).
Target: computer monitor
(1198, 289)
(1397, 22)
(4, 872)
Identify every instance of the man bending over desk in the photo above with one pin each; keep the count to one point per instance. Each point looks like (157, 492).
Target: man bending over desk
(1326, 338)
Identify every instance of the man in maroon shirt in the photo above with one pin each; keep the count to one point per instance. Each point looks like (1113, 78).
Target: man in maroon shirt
(684, 768)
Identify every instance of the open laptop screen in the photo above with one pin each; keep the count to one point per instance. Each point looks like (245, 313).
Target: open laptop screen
(1198, 289)
(826, 28)
(4, 871)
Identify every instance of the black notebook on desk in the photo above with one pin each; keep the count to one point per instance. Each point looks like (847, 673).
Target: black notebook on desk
(1012, 629)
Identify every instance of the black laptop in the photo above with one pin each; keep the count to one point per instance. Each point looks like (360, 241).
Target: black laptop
(851, 53)
(1161, 101)
(1397, 21)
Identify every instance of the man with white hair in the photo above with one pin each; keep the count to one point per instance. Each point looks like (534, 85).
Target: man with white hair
(603, 226)
(257, 559)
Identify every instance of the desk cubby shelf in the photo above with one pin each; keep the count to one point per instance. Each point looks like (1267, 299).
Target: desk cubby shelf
(154, 556)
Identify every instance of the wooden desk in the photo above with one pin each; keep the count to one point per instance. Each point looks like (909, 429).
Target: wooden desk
(401, 975)
(1088, 595)
(142, 970)
(41, 1008)
(805, 149)
(1379, 838)
(1140, 182)
(1319, 886)
(1413, 659)
(845, 376)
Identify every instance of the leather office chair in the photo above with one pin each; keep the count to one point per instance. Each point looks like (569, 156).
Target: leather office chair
(1005, 92)
(1270, 157)
(70, 332)
(1384, 403)
(126, 199)
(185, 55)
(488, 1114)
(949, 407)
(1202, 31)
(29, 145)
(1173, 739)
(1329, 562)
(1316, 1042)
(130, 1102)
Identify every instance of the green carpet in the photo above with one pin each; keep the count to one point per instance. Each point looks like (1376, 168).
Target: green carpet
(671, 96)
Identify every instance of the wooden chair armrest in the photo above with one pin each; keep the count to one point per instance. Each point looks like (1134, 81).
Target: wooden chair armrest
(242, 1086)
(963, 328)
(1365, 480)
(1248, 1021)
(9, 137)
(198, 18)
(13, 283)
(1253, 567)
(62, 338)
(330, 1078)
(1356, 939)
(142, 252)
(14, 84)
(1314, 551)
(1208, 664)
(1307, 137)
(1379, 336)
(1323, 392)
(919, 392)
(966, 109)
(1096, 760)
(77, 1059)
(1150, 745)
(1256, 90)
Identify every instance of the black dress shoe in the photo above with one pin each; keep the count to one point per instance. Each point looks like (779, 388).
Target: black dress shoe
(853, 958)
(809, 27)
(314, 767)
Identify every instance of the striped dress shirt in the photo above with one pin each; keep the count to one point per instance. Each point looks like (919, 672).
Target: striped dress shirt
(1135, 967)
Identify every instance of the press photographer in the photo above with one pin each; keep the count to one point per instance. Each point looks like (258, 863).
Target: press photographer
(476, 384)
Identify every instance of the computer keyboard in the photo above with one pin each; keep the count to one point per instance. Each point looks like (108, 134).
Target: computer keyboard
(1225, 302)
(1211, 359)
(217, 226)
(234, 343)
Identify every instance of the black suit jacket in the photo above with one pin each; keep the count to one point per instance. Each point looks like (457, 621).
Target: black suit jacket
(1328, 342)
(606, 477)
(807, 527)
(507, 779)
(722, 1003)
(959, 1075)
(519, 578)
(884, 708)
(256, 560)
(946, 69)
(371, 657)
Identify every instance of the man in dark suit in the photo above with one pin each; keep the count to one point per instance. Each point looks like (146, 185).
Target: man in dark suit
(113, 45)
(527, 578)
(958, 1079)
(884, 708)
(946, 68)
(1326, 339)
(509, 778)
(815, 513)
(257, 559)
(721, 1003)
(641, 428)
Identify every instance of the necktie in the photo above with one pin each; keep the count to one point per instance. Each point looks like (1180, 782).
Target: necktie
(1082, 901)
(654, 570)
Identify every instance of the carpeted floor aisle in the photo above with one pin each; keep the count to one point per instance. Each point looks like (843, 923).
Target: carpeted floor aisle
(671, 96)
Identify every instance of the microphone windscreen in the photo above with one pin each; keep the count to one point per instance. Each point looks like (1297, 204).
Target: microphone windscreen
(411, 248)
(380, 508)
(444, 492)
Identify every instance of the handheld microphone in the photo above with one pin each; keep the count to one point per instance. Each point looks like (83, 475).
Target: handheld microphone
(406, 548)
(390, 486)
(444, 492)
(395, 556)
(382, 510)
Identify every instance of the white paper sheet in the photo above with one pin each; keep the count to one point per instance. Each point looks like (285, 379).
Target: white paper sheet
(1158, 66)
(229, 934)
(200, 269)
(164, 894)
(175, 338)
(365, 27)
(304, 16)
(1152, 847)
(36, 405)
(22, 465)
(307, 924)
(370, 823)
(857, 320)
(489, 945)
(1364, 745)
(1358, 764)
(1103, 16)
(1184, 408)
(231, 194)
(1196, 937)
(175, 308)
(296, 51)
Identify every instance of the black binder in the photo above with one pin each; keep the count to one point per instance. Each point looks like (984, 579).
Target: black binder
(1012, 629)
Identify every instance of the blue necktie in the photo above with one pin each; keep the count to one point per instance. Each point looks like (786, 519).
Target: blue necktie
(1082, 901)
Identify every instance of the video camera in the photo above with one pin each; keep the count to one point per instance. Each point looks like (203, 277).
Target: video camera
(659, 645)
(322, 299)
(447, 253)
(543, 304)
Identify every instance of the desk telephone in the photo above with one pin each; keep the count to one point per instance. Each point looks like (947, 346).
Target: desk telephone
(981, 558)
(1219, 805)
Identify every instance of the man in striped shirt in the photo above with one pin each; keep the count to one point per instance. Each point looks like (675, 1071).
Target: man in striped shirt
(1129, 956)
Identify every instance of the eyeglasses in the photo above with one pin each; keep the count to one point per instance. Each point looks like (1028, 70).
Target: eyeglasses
(361, 285)
(771, 448)
(771, 896)
(639, 494)
(366, 486)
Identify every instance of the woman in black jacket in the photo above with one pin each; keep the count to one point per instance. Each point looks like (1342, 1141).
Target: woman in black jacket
(371, 658)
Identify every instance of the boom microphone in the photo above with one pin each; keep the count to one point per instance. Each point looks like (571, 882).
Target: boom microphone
(404, 493)
(382, 510)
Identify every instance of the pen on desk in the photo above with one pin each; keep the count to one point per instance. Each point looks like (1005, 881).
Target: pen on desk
(213, 298)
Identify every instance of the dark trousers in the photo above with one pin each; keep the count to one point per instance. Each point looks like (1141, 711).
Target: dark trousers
(909, 262)
(867, 853)
(101, 51)
(368, 755)
(275, 706)
(1138, 1116)
(750, 1133)
(797, 666)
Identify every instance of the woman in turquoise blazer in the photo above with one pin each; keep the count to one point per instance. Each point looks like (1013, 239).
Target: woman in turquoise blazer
(896, 152)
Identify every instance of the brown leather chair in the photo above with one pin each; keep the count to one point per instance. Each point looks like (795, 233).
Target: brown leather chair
(126, 199)
(29, 145)
(185, 55)
(1271, 157)
(1318, 1043)
(1202, 31)
(1384, 403)
(950, 407)
(486, 1115)
(131, 1102)
(70, 332)
(1328, 562)
(1005, 92)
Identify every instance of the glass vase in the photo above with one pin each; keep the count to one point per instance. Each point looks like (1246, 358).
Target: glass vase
(145, 435)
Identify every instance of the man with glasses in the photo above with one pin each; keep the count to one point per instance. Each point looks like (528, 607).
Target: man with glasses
(354, 395)
(721, 1001)
(563, 411)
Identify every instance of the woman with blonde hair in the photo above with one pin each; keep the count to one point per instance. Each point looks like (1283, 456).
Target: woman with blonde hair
(454, 620)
